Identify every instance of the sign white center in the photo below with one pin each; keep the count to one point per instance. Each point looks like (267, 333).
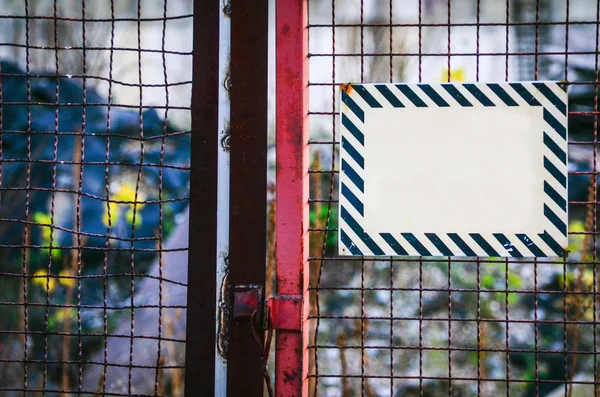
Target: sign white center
(429, 169)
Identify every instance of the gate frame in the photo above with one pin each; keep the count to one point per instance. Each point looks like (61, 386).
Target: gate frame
(201, 285)
(292, 190)
(248, 71)
(248, 93)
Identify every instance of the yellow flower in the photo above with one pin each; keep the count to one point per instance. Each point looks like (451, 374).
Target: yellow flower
(65, 277)
(42, 279)
(44, 219)
(114, 213)
(65, 314)
(125, 192)
(47, 233)
(456, 76)
(129, 216)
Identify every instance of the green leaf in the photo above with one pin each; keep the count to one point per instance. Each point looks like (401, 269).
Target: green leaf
(577, 241)
(514, 280)
(513, 298)
(488, 281)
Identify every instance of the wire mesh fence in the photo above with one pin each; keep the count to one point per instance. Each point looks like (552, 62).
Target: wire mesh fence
(94, 171)
(453, 326)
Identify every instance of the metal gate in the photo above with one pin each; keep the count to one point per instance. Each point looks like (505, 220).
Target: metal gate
(98, 114)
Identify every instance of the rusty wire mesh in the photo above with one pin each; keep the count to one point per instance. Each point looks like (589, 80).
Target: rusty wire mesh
(94, 171)
(453, 326)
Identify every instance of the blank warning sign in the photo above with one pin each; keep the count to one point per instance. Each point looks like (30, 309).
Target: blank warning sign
(453, 169)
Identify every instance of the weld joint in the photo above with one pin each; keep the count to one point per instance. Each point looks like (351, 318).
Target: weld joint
(223, 312)
(226, 8)
(226, 140)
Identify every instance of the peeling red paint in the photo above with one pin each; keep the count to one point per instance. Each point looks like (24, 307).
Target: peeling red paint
(289, 377)
(291, 198)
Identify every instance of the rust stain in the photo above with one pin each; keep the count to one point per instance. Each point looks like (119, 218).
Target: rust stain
(290, 376)
(347, 88)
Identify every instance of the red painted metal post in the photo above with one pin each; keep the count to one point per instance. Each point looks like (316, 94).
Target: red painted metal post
(291, 366)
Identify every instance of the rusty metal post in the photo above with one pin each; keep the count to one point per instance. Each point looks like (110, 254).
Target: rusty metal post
(201, 302)
(248, 186)
(291, 365)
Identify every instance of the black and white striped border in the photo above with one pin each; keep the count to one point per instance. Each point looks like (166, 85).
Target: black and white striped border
(550, 242)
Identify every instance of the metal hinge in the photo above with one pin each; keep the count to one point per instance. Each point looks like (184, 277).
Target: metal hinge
(248, 301)
(282, 312)
(248, 304)
(285, 312)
